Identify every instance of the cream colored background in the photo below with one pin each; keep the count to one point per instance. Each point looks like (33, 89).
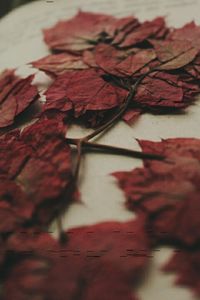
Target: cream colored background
(21, 42)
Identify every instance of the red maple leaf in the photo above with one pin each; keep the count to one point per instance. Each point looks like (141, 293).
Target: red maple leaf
(60, 63)
(193, 69)
(186, 263)
(167, 191)
(189, 33)
(143, 32)
(125, 48)
(78, 33)
(120, 62)
(77, 269)
(16, 95)
(85, 29)
(174, 54)
(15, 206)
(83, 91)
(40, 167)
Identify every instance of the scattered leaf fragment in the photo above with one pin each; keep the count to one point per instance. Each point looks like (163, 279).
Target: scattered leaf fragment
(16, 95)
(57, 64)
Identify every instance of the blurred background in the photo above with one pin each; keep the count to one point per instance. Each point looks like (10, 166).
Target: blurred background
(8, 5)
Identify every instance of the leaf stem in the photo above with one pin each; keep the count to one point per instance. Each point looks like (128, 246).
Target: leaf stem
(78, 161)
(115, 150)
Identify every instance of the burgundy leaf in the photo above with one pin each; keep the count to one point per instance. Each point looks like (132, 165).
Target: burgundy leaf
(107, 58)
(194, 68)
(83, 91)
(180, 222)
(167, 191)
(15, 96)
(120, 27)
(189, 33)
(174, 54)
(78, 33)
(15, 207)
(135, 62)
(187, 265)
(102, 261)
(131, 115)
(160, 90)
(144, 31)
(121, 63)
(39, 164)
(60, 63)
(86, 29)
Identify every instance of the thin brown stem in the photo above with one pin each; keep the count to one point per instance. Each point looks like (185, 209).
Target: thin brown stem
(115, 150)
(123, 151)
(78, 161)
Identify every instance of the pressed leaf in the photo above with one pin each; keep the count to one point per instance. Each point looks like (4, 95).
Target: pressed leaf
(167, 191)
(77, 269)
(160, 90)
(42, 167)
(83, 91)
(186, 264)
(60, 63)
(174, 54)
(122, 63)
(16, 95)
(189, 32)
(78, 33)
(143, 32)
(15, 206)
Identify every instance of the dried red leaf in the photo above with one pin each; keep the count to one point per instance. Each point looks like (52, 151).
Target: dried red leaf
(167, 191)
(189, 32)
(13, 154)
(120, 27)
(86, 29)
(178, 148)
(60, 63)
(97, 262)
(107, 58)
(83, 91)
(16, 95)
(42, 167)
(78, 33)
(24, 279)
(15, 207)
(106, 49)
(174, 54)
(89, 59)
(136, 62)
(144, 31)
(122, 63)
(193, 69)
(187, 265)
(180, 222)
(160, 90)
(131, 115)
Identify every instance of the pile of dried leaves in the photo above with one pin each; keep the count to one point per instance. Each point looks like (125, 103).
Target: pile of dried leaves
(103, 69)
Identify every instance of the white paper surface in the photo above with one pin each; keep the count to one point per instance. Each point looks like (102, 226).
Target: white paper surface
(21, 42)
